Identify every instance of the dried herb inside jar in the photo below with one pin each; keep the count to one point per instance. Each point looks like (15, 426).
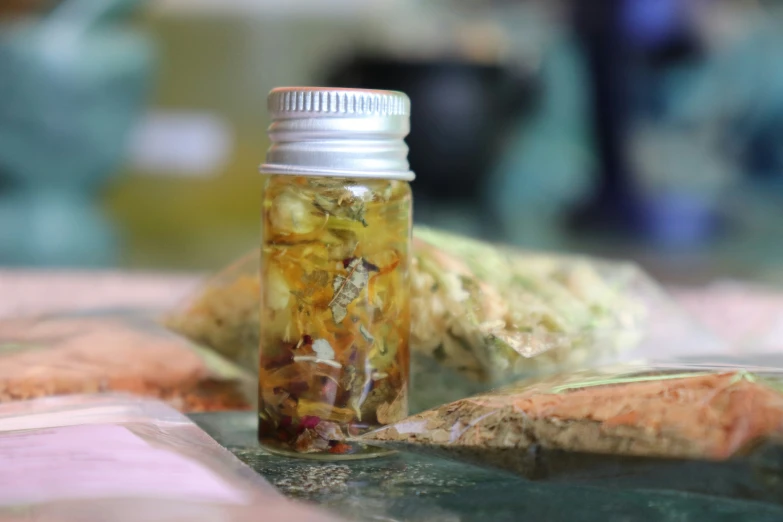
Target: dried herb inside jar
(335, 315)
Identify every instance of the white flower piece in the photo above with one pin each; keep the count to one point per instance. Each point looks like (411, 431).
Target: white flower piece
(291, 214)
(277, 292)
(377, 376)
(323, 349)
(310, 358)
(454, 289)
(366, 334)
(493, 326)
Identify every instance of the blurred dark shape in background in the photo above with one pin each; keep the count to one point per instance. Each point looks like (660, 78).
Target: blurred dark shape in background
(599, 32)
(72, 81)
(461, 113)
(642, 129)
(673, 105)
(628, 46)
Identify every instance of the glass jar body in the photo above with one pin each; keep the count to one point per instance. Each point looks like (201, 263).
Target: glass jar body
(335, 316)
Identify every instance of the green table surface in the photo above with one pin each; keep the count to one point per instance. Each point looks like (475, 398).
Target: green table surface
(405, 487)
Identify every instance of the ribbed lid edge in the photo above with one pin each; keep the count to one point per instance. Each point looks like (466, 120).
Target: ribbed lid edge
(316, 101)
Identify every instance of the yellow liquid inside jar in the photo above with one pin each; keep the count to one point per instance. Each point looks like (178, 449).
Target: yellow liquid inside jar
(335, 315)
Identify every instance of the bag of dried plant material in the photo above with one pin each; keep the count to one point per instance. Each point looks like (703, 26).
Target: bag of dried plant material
(481, 315)
(223, 314)
(487, 315)
(128, 352)
(117, 458)
(715, 429)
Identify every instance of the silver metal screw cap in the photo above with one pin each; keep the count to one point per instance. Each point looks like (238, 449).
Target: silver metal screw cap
(356, 133)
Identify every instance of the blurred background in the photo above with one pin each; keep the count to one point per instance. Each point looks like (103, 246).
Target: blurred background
(131, 131)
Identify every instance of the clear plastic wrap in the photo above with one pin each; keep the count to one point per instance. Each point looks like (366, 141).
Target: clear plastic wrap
(118, 351)
(706, 428)
(487, 315)
(116, 458)
(224, 312)
(481, 315)
(749, 317)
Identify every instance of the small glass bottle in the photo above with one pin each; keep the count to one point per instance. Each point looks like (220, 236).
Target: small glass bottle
(335, 251)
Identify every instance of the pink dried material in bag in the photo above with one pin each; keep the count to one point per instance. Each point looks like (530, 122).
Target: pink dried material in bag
(113, 458)
(709, 415)
(60, 355)
(706, 428)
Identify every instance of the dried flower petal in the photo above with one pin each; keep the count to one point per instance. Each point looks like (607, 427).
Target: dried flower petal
(323, 349)
(329, 431)
(392, 412)
(366, 334)
(344, 206)
(291, 214)
(323, 411)
(309, 442)
(340, 448)
(347, 288)
(311, 358)
(276, 290)
(309, 422)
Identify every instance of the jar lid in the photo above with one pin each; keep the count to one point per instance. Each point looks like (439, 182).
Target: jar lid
(338, 132)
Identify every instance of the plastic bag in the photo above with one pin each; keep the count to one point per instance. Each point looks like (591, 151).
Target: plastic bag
(714, 429)
(482, 315)
(224, 313)
(127, 352)
(489, 315)
(748, 316)
(116, 458)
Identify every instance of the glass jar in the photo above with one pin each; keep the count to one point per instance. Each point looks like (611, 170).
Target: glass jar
(335, 316)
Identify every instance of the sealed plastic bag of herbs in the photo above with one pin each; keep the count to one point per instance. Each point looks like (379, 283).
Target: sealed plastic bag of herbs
(706, 429)
(481, 315)
(116, 351)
